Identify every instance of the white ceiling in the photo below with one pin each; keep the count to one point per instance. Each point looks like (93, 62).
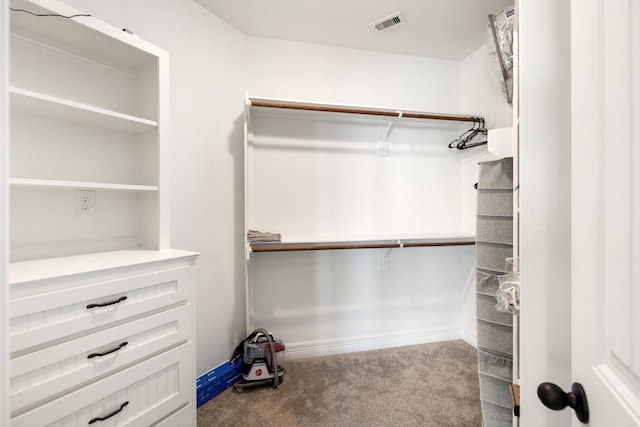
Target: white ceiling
(448, 29)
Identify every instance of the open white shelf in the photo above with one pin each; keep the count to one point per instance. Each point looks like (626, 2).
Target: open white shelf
(38, 103)
(88, 104)
(81, 185)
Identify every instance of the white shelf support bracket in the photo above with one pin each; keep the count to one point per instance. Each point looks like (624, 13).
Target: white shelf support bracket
(383, 256)
(383, 144)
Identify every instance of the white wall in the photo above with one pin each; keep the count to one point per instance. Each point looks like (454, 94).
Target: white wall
(479, 94)
(282, 69)
(480, 90)
(325, 178)
(328, 302)
(207, 84)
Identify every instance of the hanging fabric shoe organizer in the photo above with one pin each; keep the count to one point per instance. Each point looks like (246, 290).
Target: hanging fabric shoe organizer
(494, 244)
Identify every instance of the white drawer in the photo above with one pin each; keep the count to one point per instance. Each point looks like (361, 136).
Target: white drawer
(55, 370)
(45, 319)
(141, 395)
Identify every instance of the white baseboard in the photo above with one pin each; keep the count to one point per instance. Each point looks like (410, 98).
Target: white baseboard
(303, 349)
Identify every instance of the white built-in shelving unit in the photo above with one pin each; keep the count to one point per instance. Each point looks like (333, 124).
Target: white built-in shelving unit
(88, 108)
(101, 308)
(331, 177)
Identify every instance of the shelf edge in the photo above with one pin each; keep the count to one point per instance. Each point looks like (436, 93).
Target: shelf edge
(258, 102)
(292, 247)
(62, 103)
(25, 182)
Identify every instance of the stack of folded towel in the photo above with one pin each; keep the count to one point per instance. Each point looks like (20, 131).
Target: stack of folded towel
(263, 237)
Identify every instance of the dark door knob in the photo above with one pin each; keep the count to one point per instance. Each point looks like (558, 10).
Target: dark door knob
(554, 398)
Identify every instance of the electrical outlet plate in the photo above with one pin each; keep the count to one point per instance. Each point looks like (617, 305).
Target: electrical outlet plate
(85, 202)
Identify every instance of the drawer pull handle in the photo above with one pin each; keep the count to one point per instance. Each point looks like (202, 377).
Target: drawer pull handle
(117, 411)
(104, 304)
(107, 352)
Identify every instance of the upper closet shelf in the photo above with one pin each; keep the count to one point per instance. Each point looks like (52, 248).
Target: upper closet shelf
(83, 35)
(33, 102)
(367, 242)
(269, 106)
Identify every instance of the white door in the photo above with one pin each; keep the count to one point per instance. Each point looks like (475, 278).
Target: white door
(606, 208)
(592, 334)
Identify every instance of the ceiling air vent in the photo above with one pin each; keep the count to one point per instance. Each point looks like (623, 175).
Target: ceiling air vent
(388, 22)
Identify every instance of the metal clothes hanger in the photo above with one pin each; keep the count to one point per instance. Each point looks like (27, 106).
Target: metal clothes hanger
(466, 140)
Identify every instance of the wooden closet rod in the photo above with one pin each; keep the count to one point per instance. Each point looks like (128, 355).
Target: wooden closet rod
(276, 248)
(351, 110)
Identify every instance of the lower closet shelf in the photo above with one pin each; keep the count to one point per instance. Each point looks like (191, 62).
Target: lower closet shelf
(366, 242)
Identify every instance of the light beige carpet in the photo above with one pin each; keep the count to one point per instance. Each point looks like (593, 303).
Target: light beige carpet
(424, 385)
